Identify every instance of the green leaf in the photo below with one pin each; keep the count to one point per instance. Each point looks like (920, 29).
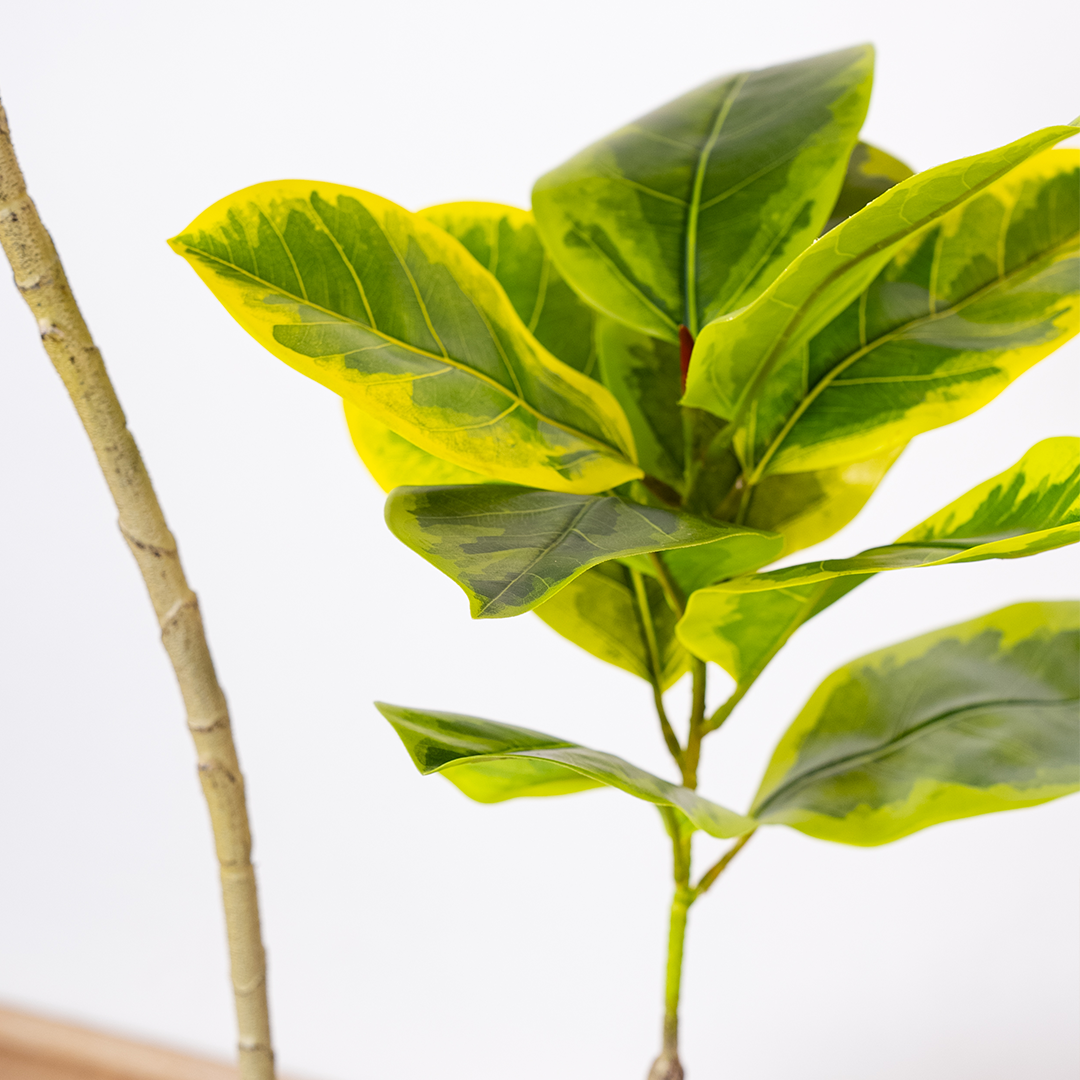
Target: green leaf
(967, 720)
(644, 375)
(870, 173)
(492, 762)
(510, 547)
(505, 241)
(389, 311)
(1031, 507)
(912, 314)
(394, 461)
(600, 611)
(692, 210)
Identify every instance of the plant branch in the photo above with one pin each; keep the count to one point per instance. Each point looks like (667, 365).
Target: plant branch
(697, 723)
(42, 283)
(671, 589)
(721, 865)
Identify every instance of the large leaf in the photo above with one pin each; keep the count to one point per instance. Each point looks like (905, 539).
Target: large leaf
(870, 173)
(505, 241)
(492, 762)
(914, 312)
(1031, 507)
(510, 547)
(967, 720)
(389, 311)
(603, 612)
(692, 210)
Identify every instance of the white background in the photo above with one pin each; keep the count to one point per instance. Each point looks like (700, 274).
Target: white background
(412, 933)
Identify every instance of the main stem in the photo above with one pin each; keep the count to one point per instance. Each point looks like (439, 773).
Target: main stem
(41, 280)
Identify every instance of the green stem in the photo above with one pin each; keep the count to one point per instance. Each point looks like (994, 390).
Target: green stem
(721, 865)
(697, 724)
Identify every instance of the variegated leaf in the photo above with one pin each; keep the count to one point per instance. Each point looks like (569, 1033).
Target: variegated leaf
(967, 720)
(692, 210)
(390, 312)
(492, 762)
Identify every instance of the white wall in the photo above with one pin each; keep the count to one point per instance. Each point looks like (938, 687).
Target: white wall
(412, 933)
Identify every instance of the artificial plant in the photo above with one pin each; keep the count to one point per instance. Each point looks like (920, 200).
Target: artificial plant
(699, 353)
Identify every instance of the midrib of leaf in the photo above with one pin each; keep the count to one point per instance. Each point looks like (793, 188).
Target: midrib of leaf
(830, 377)
(891, 746)
(449, 361)
(764, 369)
(694, 209)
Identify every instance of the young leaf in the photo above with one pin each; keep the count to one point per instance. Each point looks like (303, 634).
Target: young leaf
(492, 762)
(1031, 507)
(601, 612)
(390, 312)
(914, 312)
(505, 241)
(394, 461)
(870, 173)
(692, 210)
(967, 720)
(510, 547)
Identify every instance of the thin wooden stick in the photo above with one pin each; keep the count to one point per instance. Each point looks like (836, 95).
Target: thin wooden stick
(40, 278)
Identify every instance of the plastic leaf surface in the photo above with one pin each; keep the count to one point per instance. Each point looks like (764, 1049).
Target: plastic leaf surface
(967, 720)
(911, 314)
(1031, 507)
(504, 240)
(692, 210)
(390, 312)
(601, 612)
(492, 762)
(510, 547)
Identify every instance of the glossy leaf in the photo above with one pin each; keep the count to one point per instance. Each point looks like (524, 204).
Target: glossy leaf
(492, 762)
(870, 173)
(393, 314)
(1031, 507)
(394, 461)
(967, 720)
(911, 314)
(504, 240)
(692, 210)
(644, 375)
(509, 547)
(603, 612)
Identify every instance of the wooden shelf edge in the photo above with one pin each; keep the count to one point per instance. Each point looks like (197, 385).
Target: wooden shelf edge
(38, 1048)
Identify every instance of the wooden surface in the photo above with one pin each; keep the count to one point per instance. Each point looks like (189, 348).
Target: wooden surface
(33, 1048)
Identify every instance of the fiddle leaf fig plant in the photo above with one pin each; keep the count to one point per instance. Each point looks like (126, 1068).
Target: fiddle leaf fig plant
(699, 353)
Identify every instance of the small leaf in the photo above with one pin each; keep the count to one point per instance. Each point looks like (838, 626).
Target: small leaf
(492, 762)
(692, 210)
(1031, 507)
(870, 173)
(504, 240)
(510, 547)
(911, 314)
(967, 720)
(599, 611)
(390, 312)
